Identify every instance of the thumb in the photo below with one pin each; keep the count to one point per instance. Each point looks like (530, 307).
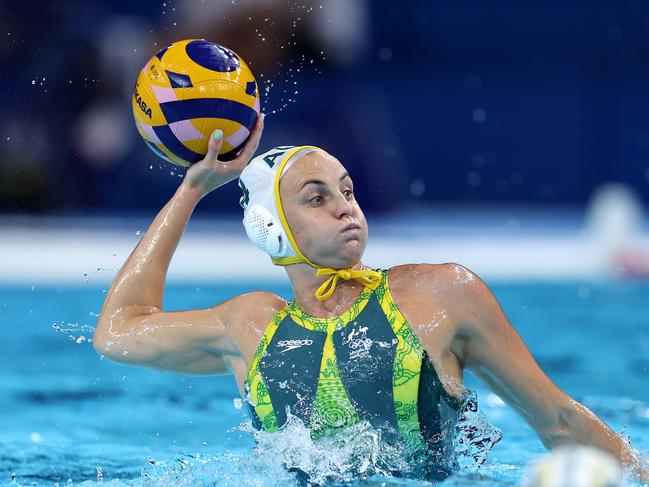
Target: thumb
(214, 146)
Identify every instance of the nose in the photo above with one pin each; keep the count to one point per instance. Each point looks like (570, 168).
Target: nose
(344, 206)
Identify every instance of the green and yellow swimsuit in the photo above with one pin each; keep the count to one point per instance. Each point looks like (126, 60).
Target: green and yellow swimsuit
(366, 364)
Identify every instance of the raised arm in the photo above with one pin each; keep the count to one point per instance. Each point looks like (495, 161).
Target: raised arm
(132, 327)
(488, 345)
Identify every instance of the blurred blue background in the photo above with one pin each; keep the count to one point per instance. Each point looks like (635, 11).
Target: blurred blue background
(476, 132)
(425, 102)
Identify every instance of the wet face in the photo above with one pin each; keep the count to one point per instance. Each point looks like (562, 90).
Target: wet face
(321, 210)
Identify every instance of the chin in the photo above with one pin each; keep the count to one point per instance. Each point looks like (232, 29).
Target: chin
(350, 259)
(341, 257)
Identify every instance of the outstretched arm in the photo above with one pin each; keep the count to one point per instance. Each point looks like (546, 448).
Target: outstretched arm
(132, 326)
(488, 345)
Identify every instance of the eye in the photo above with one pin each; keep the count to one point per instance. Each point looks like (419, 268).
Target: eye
(316, 199)
(349, 193)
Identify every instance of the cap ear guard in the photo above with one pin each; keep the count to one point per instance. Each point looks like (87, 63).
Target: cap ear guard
(265, 231)
(263, 217)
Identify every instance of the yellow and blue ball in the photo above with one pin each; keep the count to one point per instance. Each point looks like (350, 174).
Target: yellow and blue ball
(188, 90)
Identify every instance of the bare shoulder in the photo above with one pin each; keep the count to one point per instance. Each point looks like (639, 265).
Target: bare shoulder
(250, 315)
(430, 278)
(466, 299)
(255, 306)
(449, 286)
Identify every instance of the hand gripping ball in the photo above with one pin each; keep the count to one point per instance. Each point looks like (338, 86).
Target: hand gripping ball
(188, 90)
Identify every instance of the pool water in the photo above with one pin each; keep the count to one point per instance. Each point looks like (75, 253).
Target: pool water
(68, 417)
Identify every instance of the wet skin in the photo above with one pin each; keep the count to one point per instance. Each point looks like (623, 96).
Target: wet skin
(320, 206)
(454, 314)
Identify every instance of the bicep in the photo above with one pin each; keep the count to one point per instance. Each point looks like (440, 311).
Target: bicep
(193, 341)
(493, 350)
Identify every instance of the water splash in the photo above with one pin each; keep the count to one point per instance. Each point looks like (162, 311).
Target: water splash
(475, 436)
(285, 81)
(362, 451)
(360, 455)
(88, 275)
(356, 452)
(76, 332)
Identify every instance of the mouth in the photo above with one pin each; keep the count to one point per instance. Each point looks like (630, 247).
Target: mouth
(351, 227)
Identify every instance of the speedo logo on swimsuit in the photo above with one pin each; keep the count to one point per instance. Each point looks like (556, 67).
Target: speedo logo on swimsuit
(292, 344)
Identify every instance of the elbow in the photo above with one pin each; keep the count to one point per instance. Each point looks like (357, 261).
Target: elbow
(117, 350)
(108, 344)
(566, 427)
(556, 437)
(99, 344)
(113, 334)
(101, 337)
(102, 344)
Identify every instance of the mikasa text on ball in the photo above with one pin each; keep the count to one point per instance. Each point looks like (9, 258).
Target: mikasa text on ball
(188, 90)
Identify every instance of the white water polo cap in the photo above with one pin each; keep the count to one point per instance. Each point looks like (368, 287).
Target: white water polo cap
(265, 222)
(263, 217)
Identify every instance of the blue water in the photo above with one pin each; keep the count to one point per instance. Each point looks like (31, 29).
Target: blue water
(68, 417)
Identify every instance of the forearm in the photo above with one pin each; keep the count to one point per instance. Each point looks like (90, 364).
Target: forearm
(580, 425)
(133, 306)
(139, 285)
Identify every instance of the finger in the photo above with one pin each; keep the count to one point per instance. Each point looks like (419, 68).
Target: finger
(253, 140)
(214, 146)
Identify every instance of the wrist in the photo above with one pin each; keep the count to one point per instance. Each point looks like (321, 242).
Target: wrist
(189, 193)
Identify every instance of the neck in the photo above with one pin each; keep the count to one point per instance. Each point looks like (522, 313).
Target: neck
(305, 283)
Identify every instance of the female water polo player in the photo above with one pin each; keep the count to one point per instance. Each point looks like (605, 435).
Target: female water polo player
(385, 346)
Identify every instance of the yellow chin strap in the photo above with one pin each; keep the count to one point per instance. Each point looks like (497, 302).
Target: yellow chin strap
(367, 277)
